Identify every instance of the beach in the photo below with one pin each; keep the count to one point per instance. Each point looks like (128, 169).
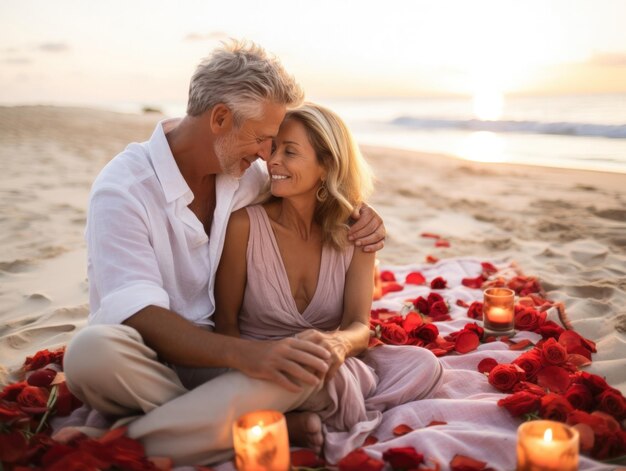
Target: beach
(567, 227)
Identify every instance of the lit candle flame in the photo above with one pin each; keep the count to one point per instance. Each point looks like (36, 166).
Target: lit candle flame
(547, 436)
(256, 431)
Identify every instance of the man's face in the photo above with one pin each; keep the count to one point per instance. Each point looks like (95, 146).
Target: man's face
(241, 146)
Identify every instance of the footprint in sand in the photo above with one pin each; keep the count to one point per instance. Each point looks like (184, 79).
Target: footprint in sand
(28, 336)
(614, 214)
(16, 266)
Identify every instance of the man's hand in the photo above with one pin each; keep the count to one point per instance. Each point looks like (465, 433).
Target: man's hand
(368, 231)
(286, 362)
(336, 346)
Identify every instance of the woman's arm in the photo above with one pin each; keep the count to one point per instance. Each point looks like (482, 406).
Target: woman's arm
(353, 335)
(230, 281)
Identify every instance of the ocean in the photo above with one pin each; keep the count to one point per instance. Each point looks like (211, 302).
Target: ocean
(578, 131)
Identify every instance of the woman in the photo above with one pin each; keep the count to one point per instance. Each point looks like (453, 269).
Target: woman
(288, 269)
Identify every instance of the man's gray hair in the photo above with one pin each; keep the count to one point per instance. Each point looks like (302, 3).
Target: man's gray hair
(241, 75)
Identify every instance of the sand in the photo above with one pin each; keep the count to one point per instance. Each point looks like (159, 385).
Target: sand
(566, 227)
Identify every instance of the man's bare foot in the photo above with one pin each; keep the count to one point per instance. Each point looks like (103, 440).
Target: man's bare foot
(305, 430)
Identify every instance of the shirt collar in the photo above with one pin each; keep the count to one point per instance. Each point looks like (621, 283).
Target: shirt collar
(172, 181)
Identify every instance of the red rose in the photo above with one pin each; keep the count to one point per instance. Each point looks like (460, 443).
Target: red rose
(555, 407)
(434, 298)
(403, 458)
(475, 310)
(41, 377)
(393, 334)
(553, 353)
(550, 329)
(520, 403)
(43, 358)
(530, 362)
(66, 401)
(33, 397)
(421, 304)
(504, 377)
(438, 283)
(11, 391)
(13, 446)
(358, 460)
(10, 411)
(579, 397)
(439, 310)
(612, 402)
(527, 319)
(595, 383)
(427, 332)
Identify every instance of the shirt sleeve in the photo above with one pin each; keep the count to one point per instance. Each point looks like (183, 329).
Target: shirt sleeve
(123, 267)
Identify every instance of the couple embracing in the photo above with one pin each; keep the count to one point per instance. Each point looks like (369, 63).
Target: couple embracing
(231, 261)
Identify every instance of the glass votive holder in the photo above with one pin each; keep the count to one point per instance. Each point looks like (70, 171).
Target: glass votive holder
(261, 442)
(545, 445)
(499, 311)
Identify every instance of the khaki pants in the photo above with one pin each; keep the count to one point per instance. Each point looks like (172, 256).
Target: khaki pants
(186, 414)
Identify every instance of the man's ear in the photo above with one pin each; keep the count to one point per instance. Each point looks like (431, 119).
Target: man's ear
(221, 118)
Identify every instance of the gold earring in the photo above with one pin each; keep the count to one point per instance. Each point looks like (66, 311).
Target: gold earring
(322, 192)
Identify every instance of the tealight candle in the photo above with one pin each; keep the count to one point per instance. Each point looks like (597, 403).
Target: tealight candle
(261, 442)
(544, 445)
(499, 311)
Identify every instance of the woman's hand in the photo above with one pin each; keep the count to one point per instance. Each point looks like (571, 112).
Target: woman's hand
(335, 343)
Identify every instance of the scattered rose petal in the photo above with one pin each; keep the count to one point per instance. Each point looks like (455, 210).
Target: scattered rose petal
(370, 440)
(434, 423)
(474, 283)
(306, 459)
(415, 278)
(486, 365)
(521, 345)
(391, 286)
(430, 235)
(387, 276)
(465, 463)
(466, 341)
(461, 303)
(358, 460)
(442, 243)
(402, 429)
(554, 378)
(431, 259)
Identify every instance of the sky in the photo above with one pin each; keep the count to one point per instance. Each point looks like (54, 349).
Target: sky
(144, 51)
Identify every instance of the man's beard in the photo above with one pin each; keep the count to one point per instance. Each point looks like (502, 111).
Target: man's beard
(225, 152)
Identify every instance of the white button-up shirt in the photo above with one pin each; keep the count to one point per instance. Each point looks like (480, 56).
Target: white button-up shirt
(145, 246)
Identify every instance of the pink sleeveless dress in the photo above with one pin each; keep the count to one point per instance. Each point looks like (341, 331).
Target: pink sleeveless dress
(352, 403)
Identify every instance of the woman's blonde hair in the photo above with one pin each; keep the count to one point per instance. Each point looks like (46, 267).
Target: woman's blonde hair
(348, 177)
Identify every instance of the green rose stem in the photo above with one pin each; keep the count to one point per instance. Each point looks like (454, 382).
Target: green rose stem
(52, 399)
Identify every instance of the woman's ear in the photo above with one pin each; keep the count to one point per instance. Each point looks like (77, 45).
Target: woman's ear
(221, 118)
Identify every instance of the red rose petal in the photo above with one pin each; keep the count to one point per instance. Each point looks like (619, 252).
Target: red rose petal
(387, 276)
(306, 459)
(402, 429)
(461, 303)
(433, 423)
(370, 440)
(412, 321)
(442, 243)
(488, 268)
(521, 345)
(465, 463)
(580, 350)
(474, 283)
(578, 360)
(466, 341)
(358, 460)
(415, 278)
(486, 365)
(391, 286)
(431, 259)
(430, 235)
(554, 378)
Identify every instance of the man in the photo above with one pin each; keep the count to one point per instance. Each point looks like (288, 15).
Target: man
(157, 220)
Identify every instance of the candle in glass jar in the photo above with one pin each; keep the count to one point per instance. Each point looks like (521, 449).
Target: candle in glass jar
(545, 445)
(499, 310)
(261, 442)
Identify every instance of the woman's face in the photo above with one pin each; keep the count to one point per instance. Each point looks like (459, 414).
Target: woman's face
(293, 165)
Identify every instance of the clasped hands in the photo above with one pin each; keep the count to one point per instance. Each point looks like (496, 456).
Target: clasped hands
(308, 357)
